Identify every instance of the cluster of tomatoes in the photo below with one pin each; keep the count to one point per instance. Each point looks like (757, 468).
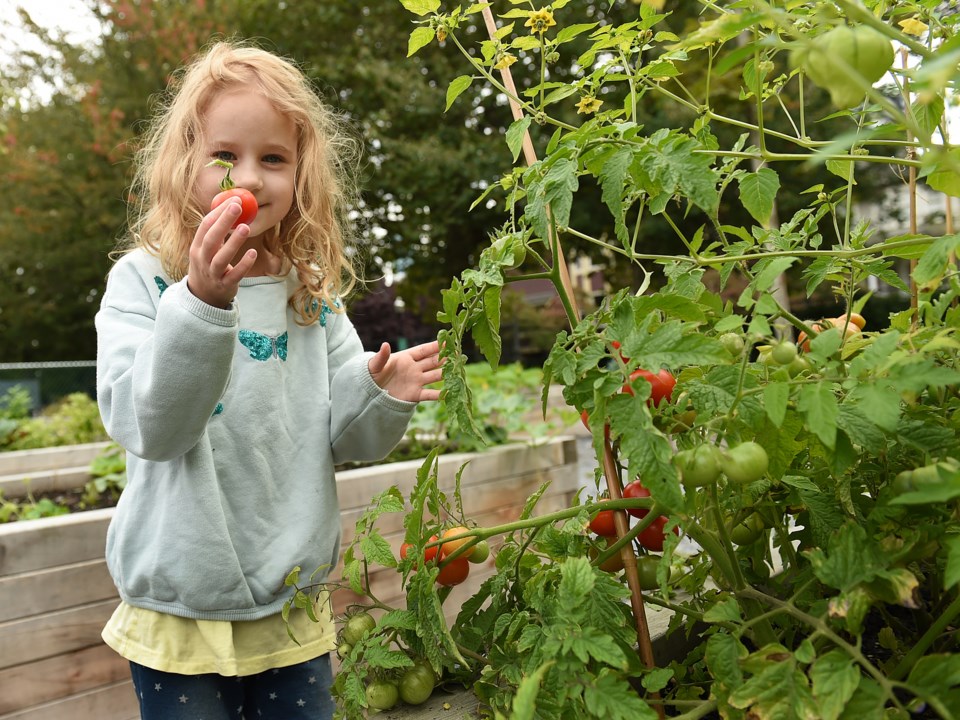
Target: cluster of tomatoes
(701, 465)
(455, 571)
(414, 685)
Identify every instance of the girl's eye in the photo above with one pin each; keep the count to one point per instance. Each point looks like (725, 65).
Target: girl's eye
(273, 159)
(225, 155)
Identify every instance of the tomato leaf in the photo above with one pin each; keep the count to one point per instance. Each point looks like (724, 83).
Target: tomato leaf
(848, 560)
(525, 701)
(377, 550)
(419, 38)
(516, 133)
(819, 406)
(456, 88)
(613, 176)
(723, 659)
(779, 691)
(421, 7)
(835, 679)
(775, 397)
(610, 697)
(758, 191)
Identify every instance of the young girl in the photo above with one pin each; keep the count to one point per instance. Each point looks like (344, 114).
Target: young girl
(231, 375)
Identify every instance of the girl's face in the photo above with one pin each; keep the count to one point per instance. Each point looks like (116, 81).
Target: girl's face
(244, 128)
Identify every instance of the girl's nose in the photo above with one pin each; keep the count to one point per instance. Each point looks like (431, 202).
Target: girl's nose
(247, 175)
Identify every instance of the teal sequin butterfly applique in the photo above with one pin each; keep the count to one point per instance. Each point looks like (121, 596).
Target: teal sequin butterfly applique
(161, 284)
(324, 310)
(262, 347)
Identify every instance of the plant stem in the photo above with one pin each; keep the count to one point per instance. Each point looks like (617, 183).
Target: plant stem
(825, 630)
(921, 646)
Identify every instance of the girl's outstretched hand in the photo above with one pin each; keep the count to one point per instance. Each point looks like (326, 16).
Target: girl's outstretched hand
(405, 374)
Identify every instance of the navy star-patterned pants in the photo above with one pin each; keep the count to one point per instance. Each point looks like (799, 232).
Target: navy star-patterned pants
(298, 692)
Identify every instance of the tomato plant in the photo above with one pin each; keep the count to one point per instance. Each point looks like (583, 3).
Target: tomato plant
(815, 481)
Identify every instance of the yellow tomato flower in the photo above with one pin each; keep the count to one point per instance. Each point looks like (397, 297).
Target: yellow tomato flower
(539, 21)
(588, 104)
(441, 34)
(913, 26)
(505, 61)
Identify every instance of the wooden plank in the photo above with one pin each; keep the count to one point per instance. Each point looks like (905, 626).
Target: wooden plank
(58, 677)
(356, 487)
(111, 702)
(44, 591)
(26, 461)
(479, 499)
(44, 481)
(43, 636)
(39, 544)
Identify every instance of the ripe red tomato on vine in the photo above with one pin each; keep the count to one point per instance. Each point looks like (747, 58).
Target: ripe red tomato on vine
(653, 535)
(636, 489)
(661, 384)
(603, 524)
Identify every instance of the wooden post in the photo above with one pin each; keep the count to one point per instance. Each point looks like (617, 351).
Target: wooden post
(614, 485)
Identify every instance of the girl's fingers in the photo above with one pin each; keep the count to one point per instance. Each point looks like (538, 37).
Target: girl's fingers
(239, 271)
(214, 227)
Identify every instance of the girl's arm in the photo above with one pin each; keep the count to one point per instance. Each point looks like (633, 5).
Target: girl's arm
(161, 367)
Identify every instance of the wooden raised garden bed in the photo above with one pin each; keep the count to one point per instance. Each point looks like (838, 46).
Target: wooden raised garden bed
(57, 595)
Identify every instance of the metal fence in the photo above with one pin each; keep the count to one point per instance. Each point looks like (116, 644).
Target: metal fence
(47, 382)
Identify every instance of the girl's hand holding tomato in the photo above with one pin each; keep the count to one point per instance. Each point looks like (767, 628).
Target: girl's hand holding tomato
(212, 275)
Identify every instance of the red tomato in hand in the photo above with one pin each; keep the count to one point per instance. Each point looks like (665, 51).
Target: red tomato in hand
(454, 572)
(603, 524)
(248, 204)
(652, 537)
(636, 490)
(661, 384)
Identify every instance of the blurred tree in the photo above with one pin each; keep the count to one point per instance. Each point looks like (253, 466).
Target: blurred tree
(67, 159)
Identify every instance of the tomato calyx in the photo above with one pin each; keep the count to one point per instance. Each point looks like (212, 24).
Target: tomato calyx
(229, 189)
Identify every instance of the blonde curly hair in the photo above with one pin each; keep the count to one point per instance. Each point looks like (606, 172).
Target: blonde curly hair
(311, 238)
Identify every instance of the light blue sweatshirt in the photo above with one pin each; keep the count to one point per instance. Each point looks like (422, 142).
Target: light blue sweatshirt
(232, 421)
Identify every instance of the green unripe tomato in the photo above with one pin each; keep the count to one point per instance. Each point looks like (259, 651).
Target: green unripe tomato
(382, 695)
(343, 649)
(745, 463)
(647, 571)
(732, 343)
(845, 61)
(699, 466)
(356, 627)
(799, 365)
(416, 685)
(784, 353)
(748, 531)
(481, 551)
